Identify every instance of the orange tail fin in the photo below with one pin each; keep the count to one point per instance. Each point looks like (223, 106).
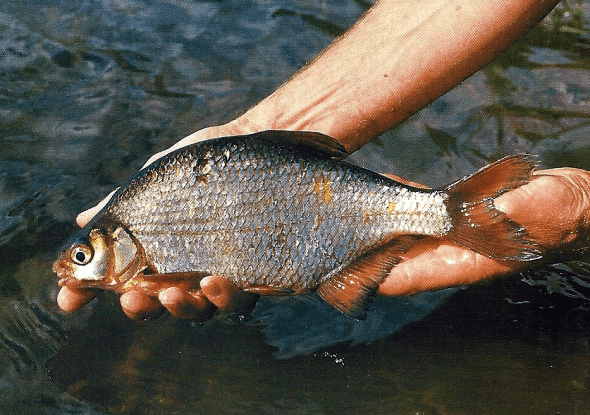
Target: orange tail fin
(477, 224)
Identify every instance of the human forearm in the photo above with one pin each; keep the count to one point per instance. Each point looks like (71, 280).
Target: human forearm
(402, 55)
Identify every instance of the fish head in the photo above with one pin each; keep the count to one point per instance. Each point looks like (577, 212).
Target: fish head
(100, 258)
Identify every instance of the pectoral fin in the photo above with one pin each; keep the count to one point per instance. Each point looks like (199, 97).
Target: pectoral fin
(268, 290)
(351, 288)
(152, 283)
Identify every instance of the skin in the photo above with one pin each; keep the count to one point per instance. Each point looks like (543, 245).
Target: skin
(396, 62)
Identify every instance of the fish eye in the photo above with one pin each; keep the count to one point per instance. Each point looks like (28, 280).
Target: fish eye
(81, 254)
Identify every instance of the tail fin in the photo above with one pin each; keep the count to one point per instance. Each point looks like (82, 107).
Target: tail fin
(477, 224)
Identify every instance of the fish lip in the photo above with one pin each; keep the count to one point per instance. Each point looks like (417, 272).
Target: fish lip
(64, 278)
(70, 282)
(58, 269)
(55, 267)
(62, 273)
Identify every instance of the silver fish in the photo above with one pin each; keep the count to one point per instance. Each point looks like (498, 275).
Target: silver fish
(276, 213)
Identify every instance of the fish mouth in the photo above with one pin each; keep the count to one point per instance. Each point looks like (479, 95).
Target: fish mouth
(66, 280)
(58, 269)
(62, 273)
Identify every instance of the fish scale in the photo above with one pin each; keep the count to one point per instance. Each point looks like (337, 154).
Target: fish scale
(283, 196)
(275, 213)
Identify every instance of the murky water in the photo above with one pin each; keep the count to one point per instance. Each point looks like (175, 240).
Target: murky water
(90, 89)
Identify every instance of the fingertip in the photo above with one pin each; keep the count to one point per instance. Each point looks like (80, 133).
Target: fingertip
(170, 296)
(226, 296)
(140, 306)
(83, 218)
(211, 286)
(217, 290)
(185, 305)
(70, 300)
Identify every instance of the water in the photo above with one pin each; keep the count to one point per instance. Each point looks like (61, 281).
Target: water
(89, 90)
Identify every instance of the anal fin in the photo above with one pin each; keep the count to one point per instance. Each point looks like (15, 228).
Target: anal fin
(351, 288)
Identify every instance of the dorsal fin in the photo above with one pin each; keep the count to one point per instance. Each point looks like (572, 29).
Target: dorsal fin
(312, 142)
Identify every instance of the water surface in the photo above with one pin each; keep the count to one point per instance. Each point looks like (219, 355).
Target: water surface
(89, 90)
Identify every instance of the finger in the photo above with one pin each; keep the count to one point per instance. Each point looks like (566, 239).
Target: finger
(549, 208)
(201, 135)
(433, 264)
(553, 207)
(226, 296)
(190, 139)
(83, 218)
(72, 299)
(140, 306)
(225, 130)
(184, 305)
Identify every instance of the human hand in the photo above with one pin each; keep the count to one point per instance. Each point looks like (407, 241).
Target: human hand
(554, 208)
(356, 102)
(237, 127)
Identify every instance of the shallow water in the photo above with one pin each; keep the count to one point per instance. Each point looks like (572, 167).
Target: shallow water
(89, 90)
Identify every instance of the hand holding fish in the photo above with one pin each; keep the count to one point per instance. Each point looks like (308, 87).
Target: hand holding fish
(554, 207)
(216, 292)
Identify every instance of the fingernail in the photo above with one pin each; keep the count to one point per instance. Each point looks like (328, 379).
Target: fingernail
(210, 287)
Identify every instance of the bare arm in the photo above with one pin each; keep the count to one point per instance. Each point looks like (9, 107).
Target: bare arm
(399, 57)
(402, 55)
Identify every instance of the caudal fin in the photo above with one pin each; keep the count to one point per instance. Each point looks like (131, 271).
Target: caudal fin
(477, 224)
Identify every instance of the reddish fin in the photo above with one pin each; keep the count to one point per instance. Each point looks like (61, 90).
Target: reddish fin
(152, 283)
(268, 290)
(495, 178)
(351, 288)
(477, 224)
(312, 142)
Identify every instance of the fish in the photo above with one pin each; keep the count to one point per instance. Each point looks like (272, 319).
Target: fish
(280, 213)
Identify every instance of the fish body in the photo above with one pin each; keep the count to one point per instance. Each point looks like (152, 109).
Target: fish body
(275, 213)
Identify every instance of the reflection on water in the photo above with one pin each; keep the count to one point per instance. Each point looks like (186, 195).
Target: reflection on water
(89, 90)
